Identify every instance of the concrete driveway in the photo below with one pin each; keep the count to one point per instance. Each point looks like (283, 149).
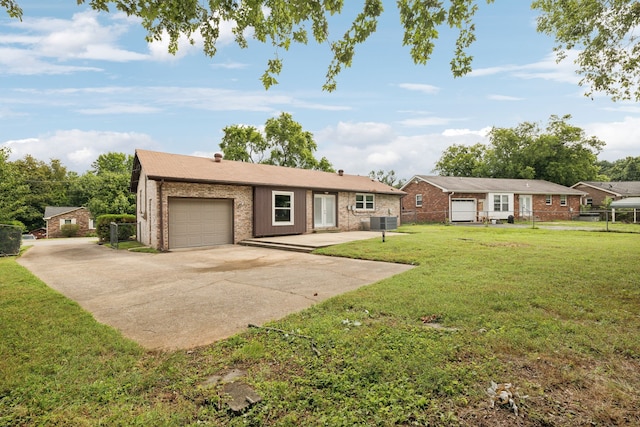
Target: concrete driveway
(188, 298)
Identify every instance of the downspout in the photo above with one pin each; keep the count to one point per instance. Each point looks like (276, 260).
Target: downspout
(450, 206)
(162, 221)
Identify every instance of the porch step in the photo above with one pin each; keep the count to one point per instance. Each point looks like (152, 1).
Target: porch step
(277, 245)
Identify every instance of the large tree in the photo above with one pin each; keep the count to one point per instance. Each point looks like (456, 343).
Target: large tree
(602, 30)
(560, 153)
(627, 169)
(284, 143)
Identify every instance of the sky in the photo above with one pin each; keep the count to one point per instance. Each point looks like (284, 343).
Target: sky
(75, 84)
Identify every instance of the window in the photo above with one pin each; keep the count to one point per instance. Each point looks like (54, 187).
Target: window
(365, 201)
(282, 203)
(92, 224)
(589, 201)
(418, 200)
(66, 221)
(563, 200)
(500, 203)
(549, 199)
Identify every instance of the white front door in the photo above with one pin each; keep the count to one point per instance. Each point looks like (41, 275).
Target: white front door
(324, 210)
(526, 206)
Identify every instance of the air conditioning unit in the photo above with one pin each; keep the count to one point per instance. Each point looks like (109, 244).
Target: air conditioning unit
(380, 223)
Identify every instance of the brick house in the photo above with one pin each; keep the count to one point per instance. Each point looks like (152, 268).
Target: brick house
(187, 201)
(456, 199)
(57, 216)
(598, 192)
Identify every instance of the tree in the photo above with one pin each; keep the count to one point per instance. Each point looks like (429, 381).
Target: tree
(561, 154)
(462, 160)
(388, 178)
(47, 185)
(627, 169)
(105, 188)
(602, 29)
(284, 143)
(13, 192)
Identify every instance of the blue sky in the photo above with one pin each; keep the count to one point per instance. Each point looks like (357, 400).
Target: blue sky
(75, 84)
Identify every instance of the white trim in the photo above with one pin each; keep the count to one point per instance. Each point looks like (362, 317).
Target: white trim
(418, 203)
(365, 202)
(291, 208)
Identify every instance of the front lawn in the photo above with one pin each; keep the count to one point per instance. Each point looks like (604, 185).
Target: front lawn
(554, 313)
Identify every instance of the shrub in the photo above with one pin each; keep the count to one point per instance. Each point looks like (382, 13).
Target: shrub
(69, 230)
(103, 225)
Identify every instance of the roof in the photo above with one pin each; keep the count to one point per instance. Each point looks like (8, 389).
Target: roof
(495, 185)
(176, 167)
(51, 211)
(629, 202)
(618, 188)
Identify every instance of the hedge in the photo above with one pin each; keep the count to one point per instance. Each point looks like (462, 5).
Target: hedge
(103, 226)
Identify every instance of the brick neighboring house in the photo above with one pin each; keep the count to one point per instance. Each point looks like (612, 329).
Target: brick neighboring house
(187, 201)
(57, 216)
(456, 199)
(597, 192)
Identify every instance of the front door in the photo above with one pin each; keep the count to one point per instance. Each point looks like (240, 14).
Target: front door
(324, 210)
(525, 206)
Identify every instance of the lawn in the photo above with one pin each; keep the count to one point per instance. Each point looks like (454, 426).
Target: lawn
(554, 313)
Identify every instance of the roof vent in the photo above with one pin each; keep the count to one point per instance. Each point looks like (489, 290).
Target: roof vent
(340, 172)
(217, 157)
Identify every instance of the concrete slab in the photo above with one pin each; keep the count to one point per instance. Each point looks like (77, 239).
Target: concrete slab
(188, 298)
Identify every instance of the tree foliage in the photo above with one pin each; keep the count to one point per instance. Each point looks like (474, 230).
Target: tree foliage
(604, 34)
(388, 177)
(601, 30)
(284, 143)
(560, 153)
(627, 169)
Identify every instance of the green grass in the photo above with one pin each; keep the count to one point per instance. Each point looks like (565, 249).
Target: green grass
(556, 313)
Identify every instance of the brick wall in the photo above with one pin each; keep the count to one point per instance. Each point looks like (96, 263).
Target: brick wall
(598, 196)
(82, 219)
(355, 220)
(435, 203)
(555, 211)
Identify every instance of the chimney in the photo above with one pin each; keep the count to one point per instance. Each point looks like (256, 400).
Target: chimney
(340, 172)
(217, 157)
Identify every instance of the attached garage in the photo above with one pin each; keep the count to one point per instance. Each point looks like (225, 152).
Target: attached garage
(200, 222)
(463, 210)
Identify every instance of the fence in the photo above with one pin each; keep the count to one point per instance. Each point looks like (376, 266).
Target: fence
(120, 232)
(10, 240)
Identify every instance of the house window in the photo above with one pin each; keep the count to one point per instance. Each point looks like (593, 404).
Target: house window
(418, 200)
(563, 200)
(548, 199)
(365, 201)
(282, 202)
(589, 201)
(92, 224)
(66, 221)
(500, 203)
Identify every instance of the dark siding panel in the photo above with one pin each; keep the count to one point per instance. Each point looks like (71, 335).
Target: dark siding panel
(262, 212)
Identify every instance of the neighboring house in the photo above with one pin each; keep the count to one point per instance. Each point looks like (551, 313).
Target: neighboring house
(57, 216)
(599, 192)
(186, 201)
(456, 199)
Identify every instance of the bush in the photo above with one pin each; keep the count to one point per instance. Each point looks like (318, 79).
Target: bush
(69, 230)
(103, 225)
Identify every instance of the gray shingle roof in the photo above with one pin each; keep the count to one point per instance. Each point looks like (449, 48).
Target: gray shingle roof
(51, 211)
(497, 185)
(177, 167)
(620, 188)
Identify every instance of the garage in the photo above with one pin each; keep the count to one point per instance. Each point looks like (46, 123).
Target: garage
(200, 222)
(463, 210)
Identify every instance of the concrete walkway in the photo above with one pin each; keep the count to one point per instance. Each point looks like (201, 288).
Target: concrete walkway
(188, 298)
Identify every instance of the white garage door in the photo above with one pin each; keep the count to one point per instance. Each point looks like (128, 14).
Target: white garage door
(463, 210)
(200, 222)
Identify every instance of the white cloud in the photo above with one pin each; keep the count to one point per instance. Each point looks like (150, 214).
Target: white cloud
(427, 121)
(464, 132)
(120, 109)
(622, 138)
(418, 87)
(495, 97)
(77, 149)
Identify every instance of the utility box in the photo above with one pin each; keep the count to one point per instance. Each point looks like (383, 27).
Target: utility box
(381, 223)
